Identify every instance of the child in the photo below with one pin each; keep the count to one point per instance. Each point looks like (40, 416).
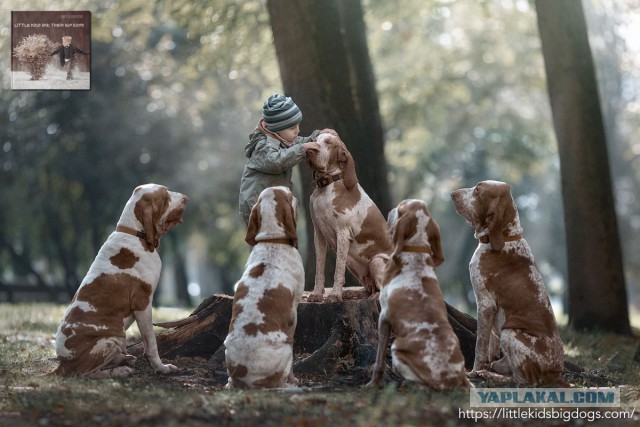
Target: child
(67, 53)
(274, 149)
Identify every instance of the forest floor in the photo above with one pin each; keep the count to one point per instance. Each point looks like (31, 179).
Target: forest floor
(195, 396)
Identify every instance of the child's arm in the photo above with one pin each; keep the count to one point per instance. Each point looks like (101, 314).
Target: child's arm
(269, 157)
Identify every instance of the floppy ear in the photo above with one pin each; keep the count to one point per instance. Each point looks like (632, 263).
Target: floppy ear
(348, 168)
(405, 224)
(398, 234)
(500, 212)
(144, 212)
(255, 221)
(286, 215)
(433, 235)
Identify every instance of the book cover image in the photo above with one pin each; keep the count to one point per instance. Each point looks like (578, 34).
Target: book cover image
(51, 50)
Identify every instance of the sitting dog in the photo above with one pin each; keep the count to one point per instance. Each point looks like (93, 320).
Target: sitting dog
(259, 346)
(118, 289)
(425, 350)
(345, 219)
(510, 294)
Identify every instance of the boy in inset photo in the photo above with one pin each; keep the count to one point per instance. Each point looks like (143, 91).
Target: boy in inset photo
(67, 53)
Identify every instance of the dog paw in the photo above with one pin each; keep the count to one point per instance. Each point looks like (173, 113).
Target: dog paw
(313, 297)
(166, 369)
(120, 372)
(292, 381)
(129, 360)
(334, 297)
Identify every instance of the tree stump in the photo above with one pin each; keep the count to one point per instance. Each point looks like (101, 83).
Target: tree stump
(326, 334)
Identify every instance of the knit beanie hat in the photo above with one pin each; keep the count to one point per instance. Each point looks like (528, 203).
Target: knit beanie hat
(280, 113)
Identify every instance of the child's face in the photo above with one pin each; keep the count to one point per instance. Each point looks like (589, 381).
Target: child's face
(66, 42)
(290, 134)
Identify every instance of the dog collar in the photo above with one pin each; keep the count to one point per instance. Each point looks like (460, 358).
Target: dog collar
(327, 179)
(485, 239)
(417, 249)
(133, 232)
(282, 240)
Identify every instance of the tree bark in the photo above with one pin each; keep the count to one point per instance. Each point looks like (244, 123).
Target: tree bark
(325, 66)
(596, 290)
(326, 333)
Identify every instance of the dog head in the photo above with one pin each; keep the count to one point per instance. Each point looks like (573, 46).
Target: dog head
(410, 223)
(333, 157)
(489, 208)
(273, 216)
(156, 210)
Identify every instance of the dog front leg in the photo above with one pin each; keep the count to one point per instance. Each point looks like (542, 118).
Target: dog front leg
(145, 324)
(486, 314)
(384, 332)
(342, 252)
(320, 245)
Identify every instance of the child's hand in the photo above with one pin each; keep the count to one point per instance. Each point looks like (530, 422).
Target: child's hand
(311, 146)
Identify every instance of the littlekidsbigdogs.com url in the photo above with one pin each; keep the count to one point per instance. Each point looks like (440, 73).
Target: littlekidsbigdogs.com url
(567, 415)
(566, 404)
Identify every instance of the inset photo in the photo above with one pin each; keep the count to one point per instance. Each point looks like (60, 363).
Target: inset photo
(51, 50)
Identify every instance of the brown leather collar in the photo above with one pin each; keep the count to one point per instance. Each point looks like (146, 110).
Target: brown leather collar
(133, 232)
(485, 239)
(417, 249)
(281, 240)
(327, 179)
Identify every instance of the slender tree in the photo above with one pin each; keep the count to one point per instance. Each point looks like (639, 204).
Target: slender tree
(325, 66)
(597, 296)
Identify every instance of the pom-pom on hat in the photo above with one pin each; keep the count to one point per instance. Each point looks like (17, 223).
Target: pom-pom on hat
(280, 112)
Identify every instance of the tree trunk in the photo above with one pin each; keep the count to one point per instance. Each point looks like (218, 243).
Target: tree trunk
(326, 333)
(596, 295)
(325, 66)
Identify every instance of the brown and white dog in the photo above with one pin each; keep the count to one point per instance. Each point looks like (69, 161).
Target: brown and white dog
(118, 289)
(259, 345)
(425, 350)
(510, 294)
(345, 219)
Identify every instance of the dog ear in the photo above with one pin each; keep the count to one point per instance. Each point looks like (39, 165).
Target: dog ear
(433, 234)
(286, 215)
(404, 224)
(255, 221)
(148, 225)
(499, 214)
(397, 237)
(348, 168)
(495, 223)
(149, 209)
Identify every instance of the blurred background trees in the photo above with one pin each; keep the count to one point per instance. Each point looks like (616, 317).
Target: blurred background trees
(177, 86)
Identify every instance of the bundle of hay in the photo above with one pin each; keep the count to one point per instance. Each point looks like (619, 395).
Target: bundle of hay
(34, 52)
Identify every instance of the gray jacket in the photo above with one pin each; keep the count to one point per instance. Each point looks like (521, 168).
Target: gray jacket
(269, 163)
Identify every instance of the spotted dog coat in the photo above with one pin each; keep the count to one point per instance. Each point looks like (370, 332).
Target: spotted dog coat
(425, 349)
(118, 289)
(510, 294)
(259, 346)
(344, 219)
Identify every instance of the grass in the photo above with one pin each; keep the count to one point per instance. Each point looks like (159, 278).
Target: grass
(195, 397)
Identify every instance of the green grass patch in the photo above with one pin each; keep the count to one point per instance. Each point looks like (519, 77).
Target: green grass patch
(196, 397)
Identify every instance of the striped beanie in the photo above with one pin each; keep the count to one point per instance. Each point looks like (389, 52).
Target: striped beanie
(280, 113)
